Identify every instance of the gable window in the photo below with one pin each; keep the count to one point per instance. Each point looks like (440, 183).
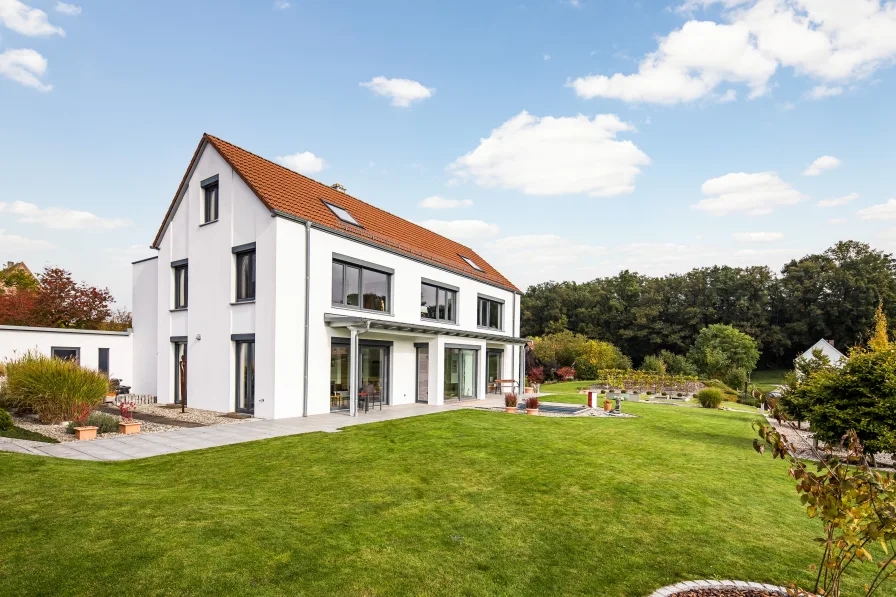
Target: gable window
(210, 200)
(245, 273)
(471, 263)
(343, 214)
(181, 283)
(491, 313)
(438, 302)
(360, 285)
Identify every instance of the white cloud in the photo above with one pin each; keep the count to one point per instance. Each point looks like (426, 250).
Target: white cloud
(838, 200)
(402, 91)
(837, 221)
(281, 4)
(728, 96)
(825, 162)
(14, 242)
(24, 66)
(556, 156)
(59, 218)
(827, 40)
(23, 19)
(882, 211)
(461, 229)
(546, 57)
(303, 163)
(436, 202)
(68, 9)
(822, 91)
(755, 194)
(757, 237)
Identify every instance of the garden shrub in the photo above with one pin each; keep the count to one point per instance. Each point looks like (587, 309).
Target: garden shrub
(51, 387)
(710, 397)
(103, 422)
(653, 364)
(735, 378)
(5, 421)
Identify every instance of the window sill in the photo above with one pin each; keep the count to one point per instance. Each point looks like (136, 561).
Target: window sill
(177, 309)
(207, 223)
(360, 310)
(485, 327)
(243, 302)
(441, 321)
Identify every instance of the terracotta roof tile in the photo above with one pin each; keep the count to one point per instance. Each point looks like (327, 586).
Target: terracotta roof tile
(284, 190)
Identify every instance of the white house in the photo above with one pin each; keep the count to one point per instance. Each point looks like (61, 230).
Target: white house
(284, 297)
(827, 348)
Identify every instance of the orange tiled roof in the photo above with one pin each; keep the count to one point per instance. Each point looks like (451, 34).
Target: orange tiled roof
(283, 190)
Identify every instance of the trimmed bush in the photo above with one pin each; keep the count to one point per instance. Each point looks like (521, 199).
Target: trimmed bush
(52, 388)
(710, 398)
(5, 421)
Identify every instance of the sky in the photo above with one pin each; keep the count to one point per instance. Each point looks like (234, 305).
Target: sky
(560, 139)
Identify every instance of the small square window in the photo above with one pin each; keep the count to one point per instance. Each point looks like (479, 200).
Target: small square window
(342, 214)
(471, 263)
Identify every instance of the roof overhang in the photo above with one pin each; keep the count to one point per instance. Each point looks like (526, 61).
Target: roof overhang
(347, 321)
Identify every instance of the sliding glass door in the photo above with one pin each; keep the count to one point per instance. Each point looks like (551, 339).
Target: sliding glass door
(339, 377)
(460, 373)
(373, 373)
(493, 367)
(373, 377)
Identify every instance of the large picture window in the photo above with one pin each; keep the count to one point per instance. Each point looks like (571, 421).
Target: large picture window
(438, 303)
(245, 275)
(491, 313)
(360, 287)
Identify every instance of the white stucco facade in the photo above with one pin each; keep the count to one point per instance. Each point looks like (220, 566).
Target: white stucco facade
(88, 344)
(214, 321)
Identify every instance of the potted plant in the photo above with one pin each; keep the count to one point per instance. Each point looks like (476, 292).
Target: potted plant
(608, 405)
(532, 406)
(510, 401)
(128, 425)
(82, 430)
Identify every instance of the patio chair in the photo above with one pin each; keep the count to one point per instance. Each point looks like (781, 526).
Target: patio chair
(374, 396)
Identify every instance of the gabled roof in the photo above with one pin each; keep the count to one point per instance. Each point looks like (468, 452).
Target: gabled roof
(289, 193)
(827, 349)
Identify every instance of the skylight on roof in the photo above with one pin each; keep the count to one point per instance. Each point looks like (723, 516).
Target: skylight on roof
(342, 214)
(471, 263)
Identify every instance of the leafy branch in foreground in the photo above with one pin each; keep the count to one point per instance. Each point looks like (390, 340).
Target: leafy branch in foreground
(855, 503)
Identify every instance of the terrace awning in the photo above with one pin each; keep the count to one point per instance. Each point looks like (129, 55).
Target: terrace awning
(344, 321)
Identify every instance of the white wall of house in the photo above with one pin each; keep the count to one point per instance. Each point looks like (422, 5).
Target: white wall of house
(146, 327)
(17, 340)
(277, 317)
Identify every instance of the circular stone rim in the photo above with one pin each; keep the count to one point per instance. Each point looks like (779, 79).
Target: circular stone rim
(691, 585)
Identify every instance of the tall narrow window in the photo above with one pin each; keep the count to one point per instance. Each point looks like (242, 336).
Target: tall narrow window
(102, 362)
(437, 303)
(245, 377)
(245, 276)
(180, 287)
(210, 193)
(491, 314)
(180, 371)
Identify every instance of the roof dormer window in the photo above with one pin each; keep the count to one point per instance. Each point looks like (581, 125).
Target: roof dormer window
(343, 214)
(471, 263)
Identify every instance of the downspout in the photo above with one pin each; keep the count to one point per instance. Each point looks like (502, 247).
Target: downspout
(307, 314)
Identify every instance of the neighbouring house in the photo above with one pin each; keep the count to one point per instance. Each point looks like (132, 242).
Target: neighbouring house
(828, 349)
(280, 296)
(12, 274)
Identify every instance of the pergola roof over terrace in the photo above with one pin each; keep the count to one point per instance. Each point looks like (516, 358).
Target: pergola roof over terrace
(344, 321)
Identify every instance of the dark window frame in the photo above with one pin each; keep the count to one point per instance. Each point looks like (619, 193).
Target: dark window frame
(211, 199)
(176, 269)
(237, 345)
(99, 359)
(491, 303)
(77, 350)
(440, 288)
(252, 282)
(361, 267)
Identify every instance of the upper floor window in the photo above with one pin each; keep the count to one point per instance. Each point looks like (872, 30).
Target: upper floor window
(438, 303)
(245, 273)
(491, 313)
(180, 286)
(210, 200)
(359, 286)
(342, 214)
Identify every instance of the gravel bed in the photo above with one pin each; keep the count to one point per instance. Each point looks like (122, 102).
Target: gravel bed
(802, 439)
(193, 415)
(726, 593)
(31, 423)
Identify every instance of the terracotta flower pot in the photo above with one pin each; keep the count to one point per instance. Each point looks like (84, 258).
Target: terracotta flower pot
(531, 411)
(85, 432)
(608, 406)
(129, 428)
(510, 409)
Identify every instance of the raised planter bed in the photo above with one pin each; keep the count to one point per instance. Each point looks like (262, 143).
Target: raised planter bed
(719, 588)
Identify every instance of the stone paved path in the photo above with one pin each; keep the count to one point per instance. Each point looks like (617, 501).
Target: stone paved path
(144, 445)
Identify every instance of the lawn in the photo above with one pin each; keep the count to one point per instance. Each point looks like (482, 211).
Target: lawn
(767, 380)
(456, 503)
(19, 433)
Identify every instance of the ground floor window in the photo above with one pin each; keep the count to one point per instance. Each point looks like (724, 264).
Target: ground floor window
(102, 360)
(339, 377)
(493, 364)
(373, 374)
(66, 353)
(245, 377)
(180, 371)
(460, 373)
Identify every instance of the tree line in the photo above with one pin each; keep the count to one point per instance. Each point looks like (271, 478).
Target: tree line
(832, 295)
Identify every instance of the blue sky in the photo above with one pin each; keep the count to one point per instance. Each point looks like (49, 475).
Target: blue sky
(575, 138)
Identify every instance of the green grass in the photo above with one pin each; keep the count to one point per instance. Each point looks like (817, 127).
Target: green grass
(455, 503)
(19, 433)
(767, 380)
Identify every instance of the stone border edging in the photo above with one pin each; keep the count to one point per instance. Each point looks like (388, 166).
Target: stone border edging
(691, 585)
